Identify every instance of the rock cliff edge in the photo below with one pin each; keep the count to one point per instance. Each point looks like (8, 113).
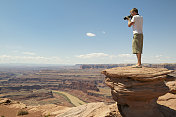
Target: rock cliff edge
(136, 90)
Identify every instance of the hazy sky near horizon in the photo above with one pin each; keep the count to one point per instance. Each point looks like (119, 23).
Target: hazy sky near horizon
(84, 31)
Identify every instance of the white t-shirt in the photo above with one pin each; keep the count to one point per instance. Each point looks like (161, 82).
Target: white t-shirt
(138, 24)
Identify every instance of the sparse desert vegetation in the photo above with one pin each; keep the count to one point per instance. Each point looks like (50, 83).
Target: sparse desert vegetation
(22, 112)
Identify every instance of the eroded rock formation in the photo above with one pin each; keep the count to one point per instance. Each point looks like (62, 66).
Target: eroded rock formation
(136, 90)
(94, 109)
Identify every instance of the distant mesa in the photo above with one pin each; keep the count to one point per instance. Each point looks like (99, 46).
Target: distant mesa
(107, 66)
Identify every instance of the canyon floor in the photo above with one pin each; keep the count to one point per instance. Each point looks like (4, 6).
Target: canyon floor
(51, 91)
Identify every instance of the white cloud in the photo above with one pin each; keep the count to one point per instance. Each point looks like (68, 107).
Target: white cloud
(125, 55)
(103, 58)
(103, 32)
(92, 55)
(112, 56)
(28, 53)
(90, 58)
(30, 59)
(90, 34)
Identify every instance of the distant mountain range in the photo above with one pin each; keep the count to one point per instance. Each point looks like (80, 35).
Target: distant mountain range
(170, 66)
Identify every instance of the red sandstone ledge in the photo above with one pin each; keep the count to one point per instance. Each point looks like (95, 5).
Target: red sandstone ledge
(141, 74)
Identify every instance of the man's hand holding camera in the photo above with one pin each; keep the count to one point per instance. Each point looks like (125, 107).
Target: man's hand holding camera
(129, 20)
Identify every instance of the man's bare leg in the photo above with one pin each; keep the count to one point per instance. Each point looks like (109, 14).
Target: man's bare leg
(139, 58)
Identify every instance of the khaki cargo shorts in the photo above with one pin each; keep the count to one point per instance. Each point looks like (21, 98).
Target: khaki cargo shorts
(137, 43)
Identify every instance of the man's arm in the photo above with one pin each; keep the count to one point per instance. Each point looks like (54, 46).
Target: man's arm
(130, 23)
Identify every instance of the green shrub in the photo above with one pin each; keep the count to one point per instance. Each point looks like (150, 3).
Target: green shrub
(22, 112)
(47, 115)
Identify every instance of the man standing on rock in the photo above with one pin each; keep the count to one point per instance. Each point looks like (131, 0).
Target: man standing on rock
(137, 42)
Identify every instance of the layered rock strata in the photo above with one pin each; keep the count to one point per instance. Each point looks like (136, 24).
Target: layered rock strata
(136, 90)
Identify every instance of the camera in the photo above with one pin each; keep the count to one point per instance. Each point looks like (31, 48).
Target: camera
(129, 16)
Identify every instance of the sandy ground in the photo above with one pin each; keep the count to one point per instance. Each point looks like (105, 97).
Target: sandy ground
(12, 112)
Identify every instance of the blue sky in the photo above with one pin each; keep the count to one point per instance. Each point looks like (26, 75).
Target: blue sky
(84, 31)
